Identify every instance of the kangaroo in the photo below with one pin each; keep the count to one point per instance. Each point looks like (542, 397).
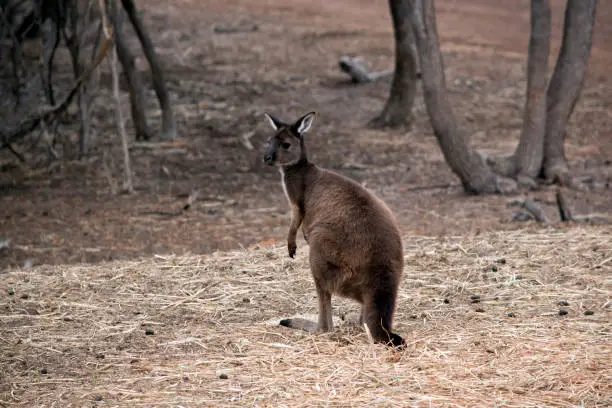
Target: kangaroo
(355, 245)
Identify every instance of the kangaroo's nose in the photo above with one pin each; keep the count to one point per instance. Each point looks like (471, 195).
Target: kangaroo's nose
(268, 159)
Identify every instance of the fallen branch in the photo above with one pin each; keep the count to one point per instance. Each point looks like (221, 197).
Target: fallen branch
(358, 72)
(535, 210)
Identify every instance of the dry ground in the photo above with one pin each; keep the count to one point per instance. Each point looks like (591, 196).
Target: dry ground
(221, 83)
(513, 319)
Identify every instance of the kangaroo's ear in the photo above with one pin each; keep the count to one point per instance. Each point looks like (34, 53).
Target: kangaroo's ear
(274, 122)
(304, 123)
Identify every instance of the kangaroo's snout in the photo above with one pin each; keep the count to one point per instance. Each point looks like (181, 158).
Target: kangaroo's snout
(269, 159)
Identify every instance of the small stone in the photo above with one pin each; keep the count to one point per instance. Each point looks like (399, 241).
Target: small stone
(501, 261)
(589, 313)
(223, 376)
(98, 398)
(149, 332)
(474, 297)
(446, 301)
(479, 310)
(25, 296)
(562, 312)
(100, 356)
(511, 315)
(564, 303)
(246, 300)
(494, 268)
(44, 371)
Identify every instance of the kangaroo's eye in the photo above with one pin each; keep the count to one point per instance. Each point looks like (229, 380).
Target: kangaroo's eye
(285, 145)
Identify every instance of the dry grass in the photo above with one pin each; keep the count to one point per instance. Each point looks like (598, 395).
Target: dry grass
(76, 335)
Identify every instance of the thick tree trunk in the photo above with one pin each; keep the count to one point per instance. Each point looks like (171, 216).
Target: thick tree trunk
(566, 83)
(529, 153)
(168, 123)
(475, 175)
(134, 81)
(398, 110)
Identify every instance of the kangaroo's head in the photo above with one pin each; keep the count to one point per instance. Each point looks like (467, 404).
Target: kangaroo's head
(286, 147)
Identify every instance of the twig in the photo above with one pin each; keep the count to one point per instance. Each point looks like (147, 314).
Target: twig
(16, 153)
(163, 213)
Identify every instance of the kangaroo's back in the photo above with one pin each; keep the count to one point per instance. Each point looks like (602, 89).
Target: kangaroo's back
(339, 210)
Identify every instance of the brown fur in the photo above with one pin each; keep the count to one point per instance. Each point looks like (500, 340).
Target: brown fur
(355, 245)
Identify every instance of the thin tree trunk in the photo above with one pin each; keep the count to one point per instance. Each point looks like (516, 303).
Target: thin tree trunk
(398, 109)
(50, 45)
(127, 168)
(475, 175)
(566, 83)
(168, 123)
(529, 153)
(133, 78)
(72, 38)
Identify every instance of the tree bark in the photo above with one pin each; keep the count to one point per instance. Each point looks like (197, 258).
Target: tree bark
(133, 78)
(566, 83)
(398, 109)
(475, 175)
(529, 153)
(168, 122)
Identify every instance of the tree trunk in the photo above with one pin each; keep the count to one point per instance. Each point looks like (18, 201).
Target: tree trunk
(529, 153)
(134, 81)
(566, 83)
(50, 44)
(475, 175)
(398, 110)
(168, 123)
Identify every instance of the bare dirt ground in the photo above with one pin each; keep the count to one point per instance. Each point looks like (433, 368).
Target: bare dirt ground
(222, 82)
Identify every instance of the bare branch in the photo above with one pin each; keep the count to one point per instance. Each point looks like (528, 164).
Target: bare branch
(50, 114)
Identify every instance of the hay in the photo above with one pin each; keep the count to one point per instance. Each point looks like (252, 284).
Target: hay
(480, 315)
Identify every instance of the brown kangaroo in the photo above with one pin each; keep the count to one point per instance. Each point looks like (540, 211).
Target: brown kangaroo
(355, 245)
